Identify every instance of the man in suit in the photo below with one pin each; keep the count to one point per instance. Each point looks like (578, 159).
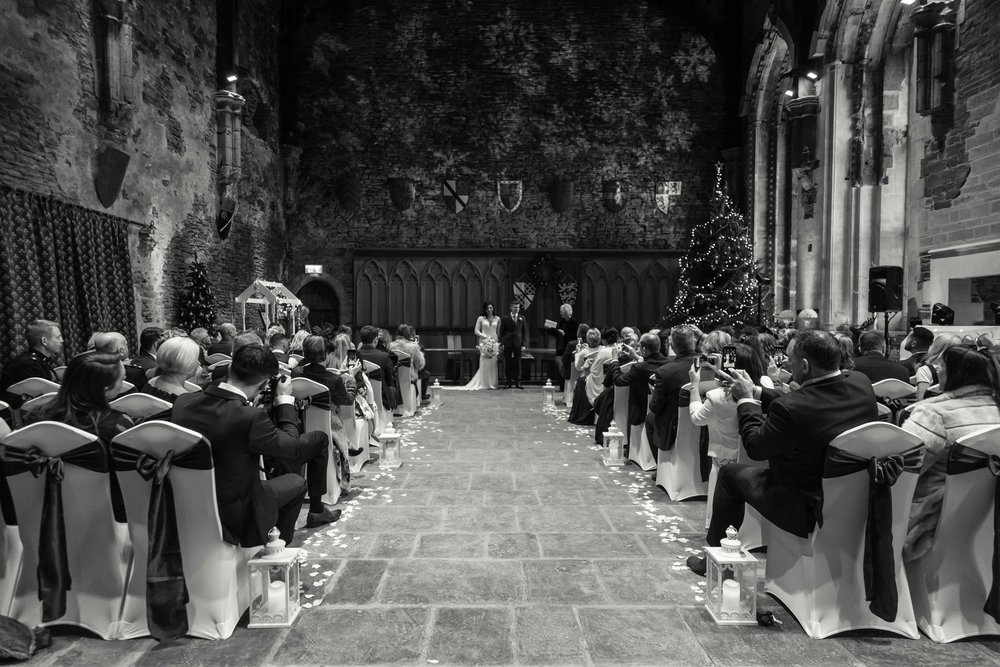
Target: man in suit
(384, 360)
(227, 332)
(513, 334)
(45, 342)
(661, 422)
(279, 346)
(873, 361)
(792, 438)
(636, 377)
(112, 342)
(149, 340)
(221, 373)
(917, 343)
(240, 434)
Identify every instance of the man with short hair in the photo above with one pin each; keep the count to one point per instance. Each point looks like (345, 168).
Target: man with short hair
(45, 342)
(792, 438)
(873, 361)
(220, 373)
(227, 332)
(149, 340)
(661, 422)
(636, 377)
(279, 346)
(917, 344)
(112, 342)
(513, 334)
(240, 434)
(384, 360)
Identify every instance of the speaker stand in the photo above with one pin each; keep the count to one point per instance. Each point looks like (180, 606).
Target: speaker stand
(887, 316)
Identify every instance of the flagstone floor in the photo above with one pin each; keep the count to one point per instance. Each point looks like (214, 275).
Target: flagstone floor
(503, 540)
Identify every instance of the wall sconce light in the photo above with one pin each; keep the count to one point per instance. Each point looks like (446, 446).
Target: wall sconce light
(811, 75)
(907, 2)
(789, 92)
(232, 78)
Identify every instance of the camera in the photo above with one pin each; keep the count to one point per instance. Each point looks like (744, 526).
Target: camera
(728, 357)
(267, 393)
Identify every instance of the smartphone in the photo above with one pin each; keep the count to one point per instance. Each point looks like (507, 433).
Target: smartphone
(728, 357)
(704, 361)
(352, 356)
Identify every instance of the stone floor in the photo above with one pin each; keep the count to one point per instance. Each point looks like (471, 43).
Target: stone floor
(503, 540)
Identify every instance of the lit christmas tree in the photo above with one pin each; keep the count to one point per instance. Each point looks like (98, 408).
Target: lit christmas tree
(197, 306)
(716, 283)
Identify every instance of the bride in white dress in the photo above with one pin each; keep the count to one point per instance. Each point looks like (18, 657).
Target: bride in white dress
(486, 329)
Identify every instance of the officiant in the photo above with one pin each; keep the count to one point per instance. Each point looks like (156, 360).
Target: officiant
(564, 330)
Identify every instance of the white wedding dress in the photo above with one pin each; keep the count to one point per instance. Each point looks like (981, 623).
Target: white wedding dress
(486, 376)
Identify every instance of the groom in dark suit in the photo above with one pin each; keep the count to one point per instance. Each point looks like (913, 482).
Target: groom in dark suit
(513, 334)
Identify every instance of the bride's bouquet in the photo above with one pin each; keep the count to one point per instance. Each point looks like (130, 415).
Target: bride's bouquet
(489, 348)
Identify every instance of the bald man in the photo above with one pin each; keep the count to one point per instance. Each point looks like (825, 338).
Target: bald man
(112, 342)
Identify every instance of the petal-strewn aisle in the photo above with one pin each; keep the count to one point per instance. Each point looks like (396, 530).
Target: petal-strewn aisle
(504, 540)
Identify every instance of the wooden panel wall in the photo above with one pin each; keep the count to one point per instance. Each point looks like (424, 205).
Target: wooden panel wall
(443, 291)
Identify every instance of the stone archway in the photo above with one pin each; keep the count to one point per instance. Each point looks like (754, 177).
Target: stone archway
(324, 296)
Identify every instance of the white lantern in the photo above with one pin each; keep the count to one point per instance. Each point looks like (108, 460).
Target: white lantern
(614, 441)
(731, 577)
(548, 393)
(274, 585)
(391, 442)
(436, 391)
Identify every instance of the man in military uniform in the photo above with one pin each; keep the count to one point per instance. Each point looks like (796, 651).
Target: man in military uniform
(45, 342)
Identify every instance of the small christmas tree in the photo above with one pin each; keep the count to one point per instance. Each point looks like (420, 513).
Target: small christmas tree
(197, 306)
(716, 285)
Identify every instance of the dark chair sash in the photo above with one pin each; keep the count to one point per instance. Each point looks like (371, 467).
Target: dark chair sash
(53, 563)
(166, 589)
(963, 460)
(879, 564)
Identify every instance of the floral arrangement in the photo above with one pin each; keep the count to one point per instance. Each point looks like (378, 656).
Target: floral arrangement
(489, 348)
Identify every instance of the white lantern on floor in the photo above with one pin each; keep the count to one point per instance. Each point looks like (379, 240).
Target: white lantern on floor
(614, 440)
(436, 393)
(274, 585)
(391, 456)
(731, 578)
(548, 393)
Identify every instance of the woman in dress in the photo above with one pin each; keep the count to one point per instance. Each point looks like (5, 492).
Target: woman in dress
(486, 330)
(177, 361)
(587, 389)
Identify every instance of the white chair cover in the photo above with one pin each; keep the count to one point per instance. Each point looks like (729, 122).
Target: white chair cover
(223, 363)
(357, 436)
(620, 416)
(570, 385)
(140, 406)
(5, 413)
(191, 386)
(382, 416)
(318, 419)
(950, 583)
(32, 387)
(97, 551)
(217, 357)
(752, 531)
(126, 387)
(639, 450)
(215, 572)
(297, 358)
(819, 579)
(678, 470)
(893, 388)
(59, 372)
(404, 375)
(38, 402)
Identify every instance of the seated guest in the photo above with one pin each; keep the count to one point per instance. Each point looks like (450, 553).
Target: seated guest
(873, 361)
(149, 340)
(927, 371)
(381, 358)
(240, 434)
(846, 351)
(316, 360)
(582, 412)
(227, 333)
(970, 380)
(661, 423)
(112, 342)
(219, 373)
(405, 341)
(177, 361)
(917, 343)
(279, 345)
(204, 339)
(45, 342)
(383, 340)
(636, 377)
(604, 401)
(90, 382)
(714, 341)
(295, 345)
(792, 438)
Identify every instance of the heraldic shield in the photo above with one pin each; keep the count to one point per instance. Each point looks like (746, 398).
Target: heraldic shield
(509, 193)
(614, 196)
(456, 194)
(111, 167)
(402, 192)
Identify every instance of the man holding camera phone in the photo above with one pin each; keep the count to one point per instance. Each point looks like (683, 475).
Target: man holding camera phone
(240, 434)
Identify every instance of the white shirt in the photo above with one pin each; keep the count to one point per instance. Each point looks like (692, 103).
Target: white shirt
(233, 389)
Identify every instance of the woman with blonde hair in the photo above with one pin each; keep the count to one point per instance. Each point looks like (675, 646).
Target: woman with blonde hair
(177, 361)
(927, 372)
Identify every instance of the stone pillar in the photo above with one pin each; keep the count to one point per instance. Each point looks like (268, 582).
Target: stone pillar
(228, 106)
(290, 177)
(801, 114)
(113, 51)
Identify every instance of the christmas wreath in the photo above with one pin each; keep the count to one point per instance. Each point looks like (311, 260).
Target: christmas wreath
(544, 271)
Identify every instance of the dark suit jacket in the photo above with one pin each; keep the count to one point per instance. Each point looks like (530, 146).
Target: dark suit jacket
(511, 334)
(145, 360)
(28, 364)
(385, 361)
(569, 328)
(670, 377)
(793, 438)
(340, 393)
(280, 356)
(135, 374)
(223, 346)
(636, 378)
(877, 367)
(239, 435)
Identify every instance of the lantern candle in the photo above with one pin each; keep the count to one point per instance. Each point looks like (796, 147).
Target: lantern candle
(730, 596)
(276, 593)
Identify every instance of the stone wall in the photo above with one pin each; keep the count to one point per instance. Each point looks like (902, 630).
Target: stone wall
(52, 136)
(498, 89)
(961, 179)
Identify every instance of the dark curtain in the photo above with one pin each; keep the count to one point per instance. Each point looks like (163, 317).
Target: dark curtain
(63, 263)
